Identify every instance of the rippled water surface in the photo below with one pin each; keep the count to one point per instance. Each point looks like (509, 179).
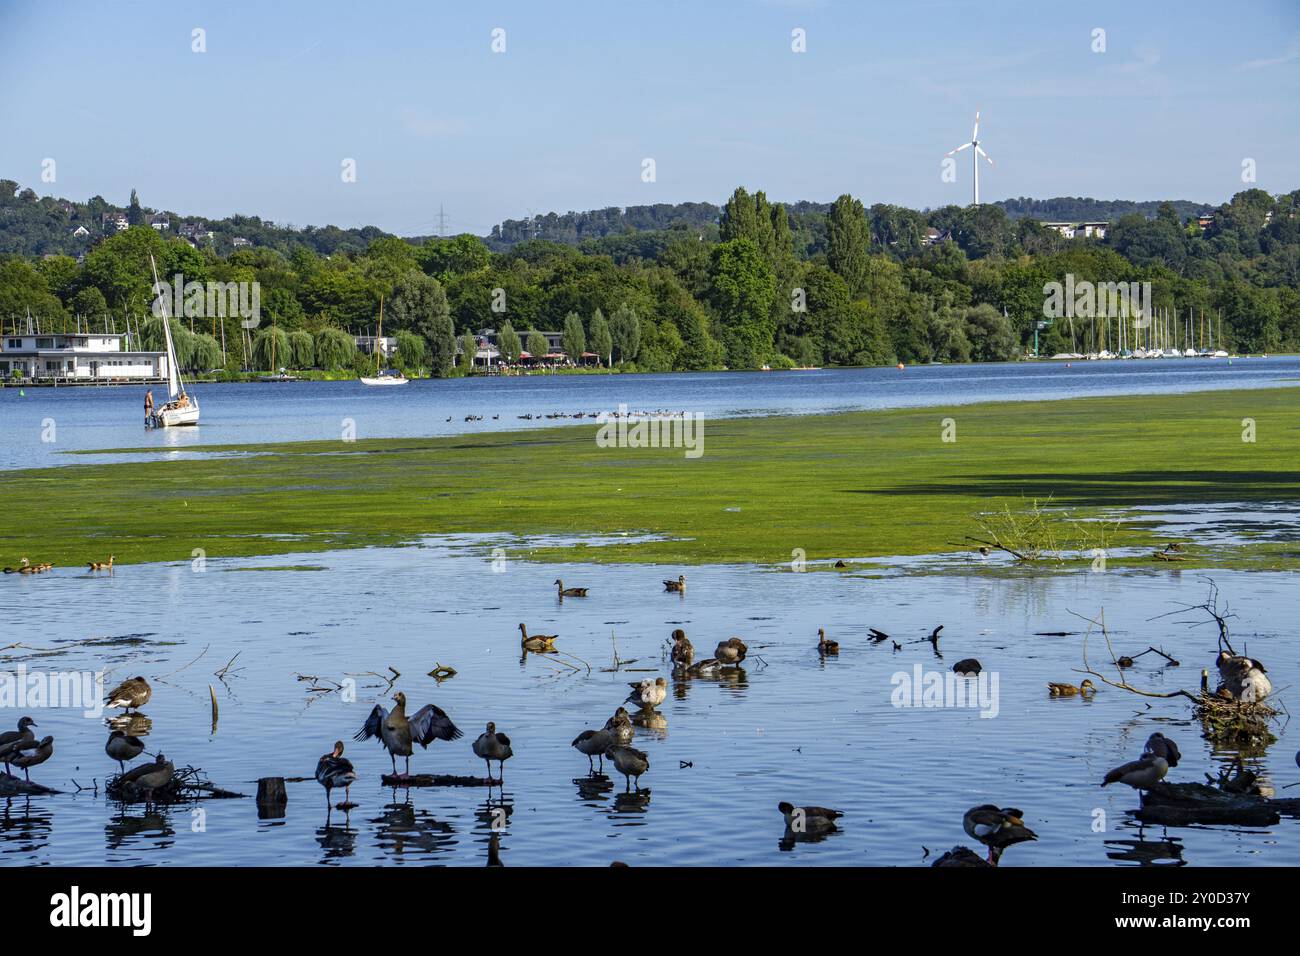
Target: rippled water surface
(787, 725)
(84, 418)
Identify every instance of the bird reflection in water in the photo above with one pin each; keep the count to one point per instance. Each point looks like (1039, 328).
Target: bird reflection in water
(595, 786)
(337, 841)
(134, 725)
(125, 828)
(22, 829)
(634, 802)
(1166, 851)
(402, 829)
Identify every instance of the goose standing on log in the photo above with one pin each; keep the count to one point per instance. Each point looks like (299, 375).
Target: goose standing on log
(29, 753)
(996, 828)
(399, 733)
(11, 738)
(494, 746)
(130, 694)
(1158, 745)
(1242, 678)
(335, 770)
(1141, 774)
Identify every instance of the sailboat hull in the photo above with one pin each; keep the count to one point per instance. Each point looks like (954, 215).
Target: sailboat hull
(177, 417)
(383, 380)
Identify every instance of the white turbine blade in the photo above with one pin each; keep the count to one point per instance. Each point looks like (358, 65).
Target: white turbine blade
(980, 150)
(975, 133)
(959, 149)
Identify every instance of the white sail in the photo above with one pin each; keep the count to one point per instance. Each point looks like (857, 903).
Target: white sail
(173, 372)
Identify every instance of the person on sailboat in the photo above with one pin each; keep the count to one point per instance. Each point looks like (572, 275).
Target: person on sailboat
(148, 407)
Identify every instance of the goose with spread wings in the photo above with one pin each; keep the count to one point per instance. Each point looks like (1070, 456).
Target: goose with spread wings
(399, 733)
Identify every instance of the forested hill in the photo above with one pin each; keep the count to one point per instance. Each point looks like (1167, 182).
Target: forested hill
(31, 225)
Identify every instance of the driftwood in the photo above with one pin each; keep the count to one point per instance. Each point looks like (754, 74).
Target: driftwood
(437, 780)
(185, 785)
(1185, 804)
(11, 786)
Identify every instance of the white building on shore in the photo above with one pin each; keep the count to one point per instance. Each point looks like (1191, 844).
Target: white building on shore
(79, 357)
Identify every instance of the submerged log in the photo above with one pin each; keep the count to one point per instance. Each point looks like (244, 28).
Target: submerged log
(1185, 804)
(437, 780)
(11, 786)
(271, 798)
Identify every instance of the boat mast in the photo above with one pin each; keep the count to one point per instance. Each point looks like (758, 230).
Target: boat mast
(174, 383)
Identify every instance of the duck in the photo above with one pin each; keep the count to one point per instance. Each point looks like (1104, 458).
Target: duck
(648, 693)
(679, 585)
(731, 651)
(29, 753)
(808, 819)
(1158, 745)
(630, 762)
(122, 747)
(1242, 678)
(961, 856)
(491, 745)
(130, 694)
(541, 643)
(335, 770)
(399, 733)
(704, 668)
(620, 725)
(22, 563)
(997, 828)
(682, 652)
(12, 737)
(150, 777)
(1069, 690)
(594, 743)
(28, 568)
(825, 646)
(968, 667)
(1141, 774)
(44, 566)
(102, 565)
(570, 592)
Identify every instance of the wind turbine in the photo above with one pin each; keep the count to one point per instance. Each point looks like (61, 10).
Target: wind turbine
(975, 156)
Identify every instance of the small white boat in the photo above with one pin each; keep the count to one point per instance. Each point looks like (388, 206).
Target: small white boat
(181, 408)
(379, 378)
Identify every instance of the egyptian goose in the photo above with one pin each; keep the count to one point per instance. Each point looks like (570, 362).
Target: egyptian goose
(1242, 678)
(541, 643)
(569, 592)
(131, 694)
(621, 726)
(648, 693)
(679, 585)
(1158, 745)
(630, 762)
(494, 746)
(29, 753)
(149, 777)
(825, 646)
(682, 652)
(122, 747)
(399, 734)
(335, 770)
(22, 563)
(1141, 774)
(594, 743)
(731, 651)
(102, 565)
(808, 819)
(996, 828)
(1069, 690)
(10, 739)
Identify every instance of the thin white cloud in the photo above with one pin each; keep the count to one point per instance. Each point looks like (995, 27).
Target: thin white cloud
(1290, 56)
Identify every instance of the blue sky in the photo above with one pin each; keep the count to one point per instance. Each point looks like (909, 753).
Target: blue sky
(261, 122)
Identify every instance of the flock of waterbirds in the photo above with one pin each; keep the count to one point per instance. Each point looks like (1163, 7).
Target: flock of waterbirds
(997, 828)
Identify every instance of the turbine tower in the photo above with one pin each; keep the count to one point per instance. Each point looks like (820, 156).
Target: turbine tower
(975, 156)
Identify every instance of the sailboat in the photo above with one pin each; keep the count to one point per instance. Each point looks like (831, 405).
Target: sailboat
(380, 378)
(181, 408)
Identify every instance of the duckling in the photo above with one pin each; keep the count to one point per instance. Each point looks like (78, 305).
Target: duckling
(1069, 690)
(569, 592)
(22, 563)
(825, 646)
(682, 652)
(130, 694)
(10, 739)
(630, 762)
(1141, 774)
(102, 565)
(29, 753)
(996, 828)
(541, 643)
(1158, 745)
(335, 770)
(494, 746)
(399, 733)
(808, 819)
(679, 585)
(123, 747)
(648, 693)
(731, 651)
(969, 667)
(620, 725)
(1242, 678)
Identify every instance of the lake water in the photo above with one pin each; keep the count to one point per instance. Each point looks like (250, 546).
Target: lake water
(788, 726)
(38, 425)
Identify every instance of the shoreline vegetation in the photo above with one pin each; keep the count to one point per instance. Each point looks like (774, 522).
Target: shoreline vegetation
(851, 486)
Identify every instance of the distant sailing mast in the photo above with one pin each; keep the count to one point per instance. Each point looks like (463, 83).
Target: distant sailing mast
(181, 408)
